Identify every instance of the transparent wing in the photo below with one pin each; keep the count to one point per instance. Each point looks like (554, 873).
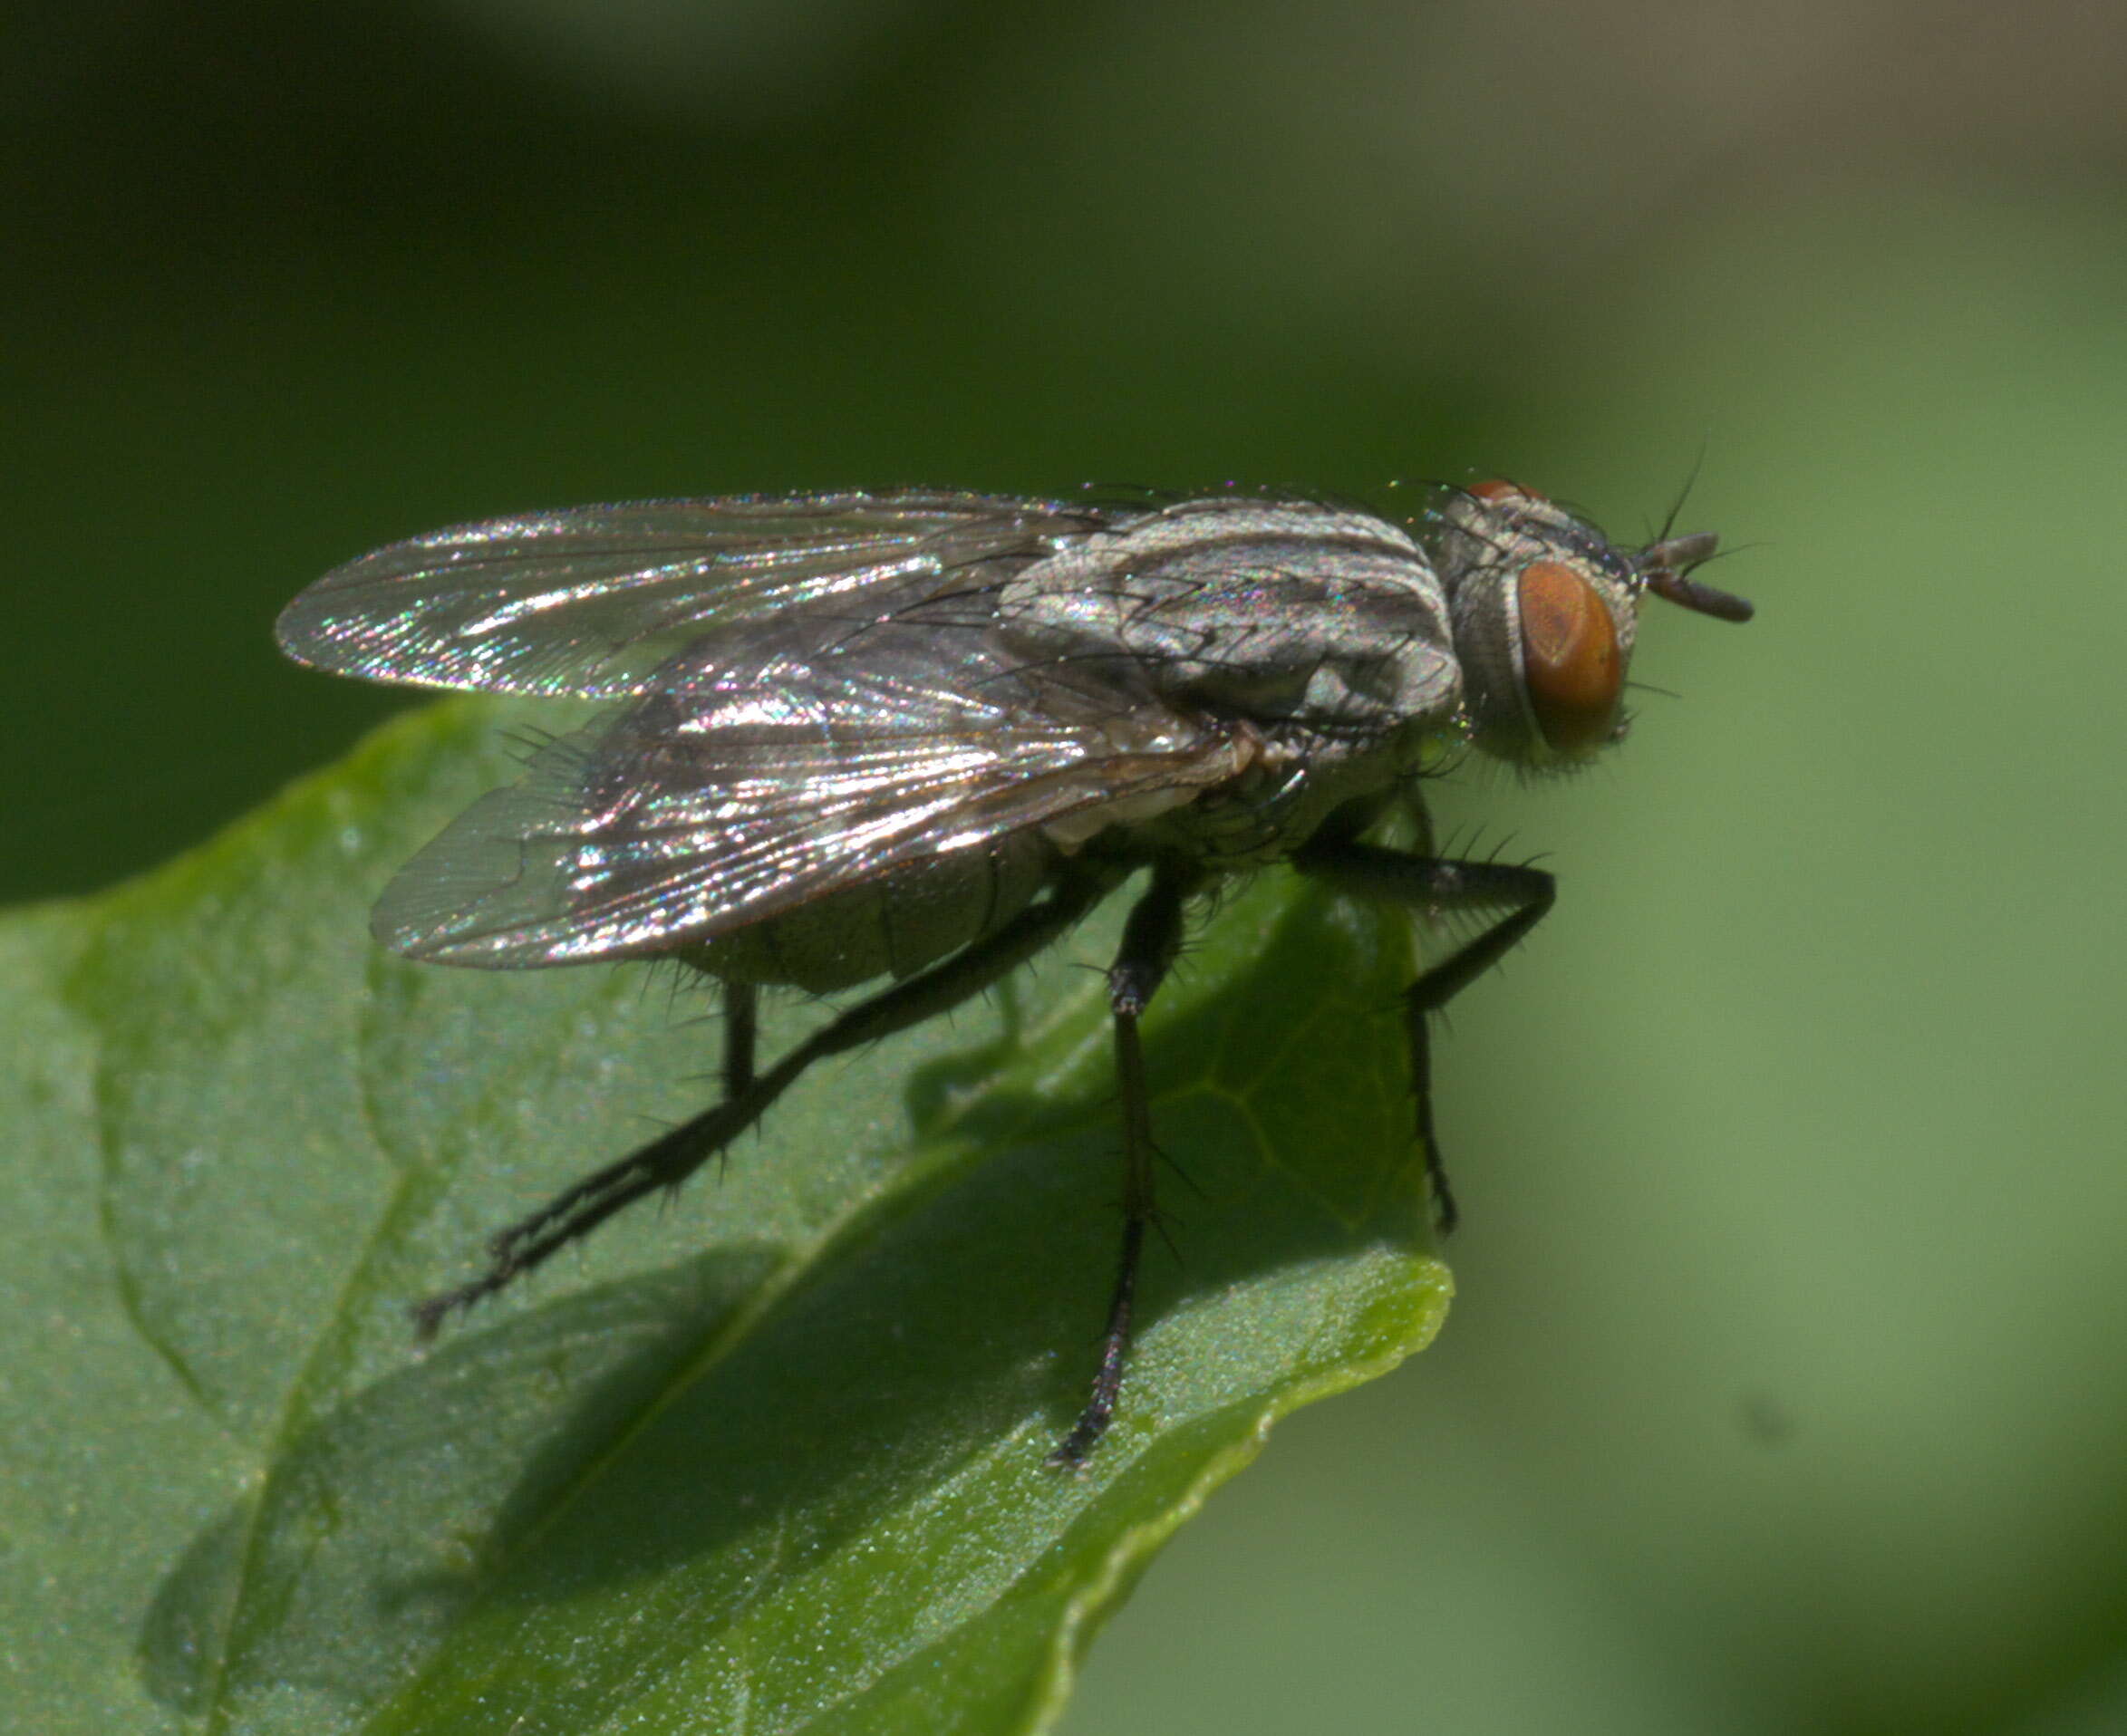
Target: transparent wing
(767, 783)
(591, 600)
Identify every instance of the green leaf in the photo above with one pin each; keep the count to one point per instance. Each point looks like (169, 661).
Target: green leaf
(769, 1458)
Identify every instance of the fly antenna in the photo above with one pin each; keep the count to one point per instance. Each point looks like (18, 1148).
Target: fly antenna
(1667, 567)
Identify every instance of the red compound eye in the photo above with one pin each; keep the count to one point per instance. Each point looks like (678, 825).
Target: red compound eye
(1569, 657)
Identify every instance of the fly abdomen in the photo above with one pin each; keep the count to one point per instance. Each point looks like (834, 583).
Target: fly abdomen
(891, 926)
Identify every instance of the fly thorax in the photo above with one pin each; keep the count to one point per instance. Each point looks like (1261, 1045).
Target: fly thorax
(1270, 611)
(1544, 611)
(1266, 812)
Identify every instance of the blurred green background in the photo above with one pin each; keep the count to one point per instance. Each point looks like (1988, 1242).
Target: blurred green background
(1787, 1386)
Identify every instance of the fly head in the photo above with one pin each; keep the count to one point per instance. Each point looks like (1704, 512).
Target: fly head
(1546, 609)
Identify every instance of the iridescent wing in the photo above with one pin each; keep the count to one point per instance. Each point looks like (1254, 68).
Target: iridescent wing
(590, 602)
(758, 776)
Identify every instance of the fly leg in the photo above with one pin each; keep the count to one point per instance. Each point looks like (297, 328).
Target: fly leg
(1431, 885)
(741, 1034)
(669, 1159)
(1151, 940)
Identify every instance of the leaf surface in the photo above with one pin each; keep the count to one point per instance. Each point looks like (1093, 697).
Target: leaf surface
(769, 1458)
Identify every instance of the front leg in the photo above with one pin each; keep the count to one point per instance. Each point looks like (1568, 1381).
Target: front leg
(1433, 886)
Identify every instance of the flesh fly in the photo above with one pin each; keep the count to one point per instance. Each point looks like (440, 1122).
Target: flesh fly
(918, 735)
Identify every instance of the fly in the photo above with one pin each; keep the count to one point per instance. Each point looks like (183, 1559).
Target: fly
(918, 735)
